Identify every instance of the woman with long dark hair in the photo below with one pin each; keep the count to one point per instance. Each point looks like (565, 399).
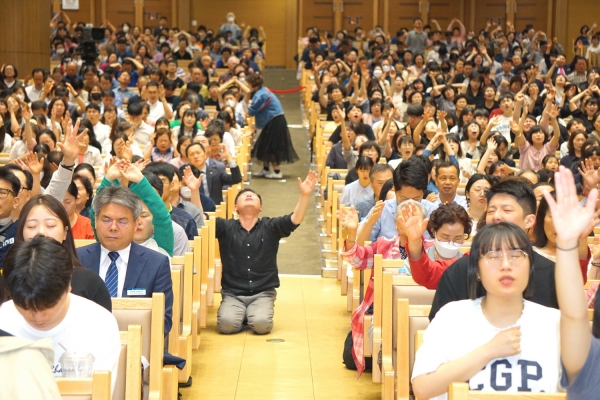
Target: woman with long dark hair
(46, 216)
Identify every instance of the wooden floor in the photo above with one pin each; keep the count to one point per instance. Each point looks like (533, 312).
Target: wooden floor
(310, 315)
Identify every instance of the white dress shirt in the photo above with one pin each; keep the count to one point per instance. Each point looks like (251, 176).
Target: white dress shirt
(33, 93)
(101, 131)
(121, 266)
(142, 135)
(157, 110)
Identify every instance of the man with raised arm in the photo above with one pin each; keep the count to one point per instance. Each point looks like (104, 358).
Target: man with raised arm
(249, 255)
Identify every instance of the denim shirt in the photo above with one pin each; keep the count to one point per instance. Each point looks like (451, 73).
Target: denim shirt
(265, 106)
(386, 225)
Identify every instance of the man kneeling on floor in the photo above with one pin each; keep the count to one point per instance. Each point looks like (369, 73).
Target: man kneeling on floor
(249, 256)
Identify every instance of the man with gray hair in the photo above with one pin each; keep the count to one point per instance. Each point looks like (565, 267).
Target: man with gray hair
(128, 269)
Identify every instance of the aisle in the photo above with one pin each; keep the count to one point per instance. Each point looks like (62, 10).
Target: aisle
(310, 315)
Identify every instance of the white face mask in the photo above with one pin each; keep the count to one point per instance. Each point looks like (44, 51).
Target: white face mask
(386, 68)
(254, 45)
(185, 192)
(60, 51)
(222, 41)
(231, 103)
(230, 20)
(377, 73)
(446, 249)
(242, 80)
(517, 53)
(125, 29)
(162, 40)
(20, 97)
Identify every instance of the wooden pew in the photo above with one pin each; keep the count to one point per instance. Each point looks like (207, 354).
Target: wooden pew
(149, 313)
(128, 385)
(97, 387)
(386, 290)
(460, 391)
(180, 339)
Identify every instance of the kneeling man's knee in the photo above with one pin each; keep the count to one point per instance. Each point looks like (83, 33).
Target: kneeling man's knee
(261, 325)
(229, 324)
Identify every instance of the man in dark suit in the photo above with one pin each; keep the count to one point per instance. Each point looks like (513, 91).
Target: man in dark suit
(128, 269)
(214, 176)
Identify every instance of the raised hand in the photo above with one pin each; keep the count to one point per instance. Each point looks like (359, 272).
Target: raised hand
(190, 180)
(589, 174)
(112, 170)
(141, 164)
(349, 218)
(308, 185)
(515, 128)
(33, 163)
(130, 171)
(441, 115)
(567, 211)
(376, 211)
(491, 144)
(411, 224)
(70, 146)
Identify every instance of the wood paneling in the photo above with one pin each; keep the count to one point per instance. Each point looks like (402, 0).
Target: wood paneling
(25, 48)
(401, 14)
(270, 14)
(317, 13)
(357, 8)
(162, 7)
(444, 11)
(83, 14)
(531, 12)
(579, 13)
(484, 10)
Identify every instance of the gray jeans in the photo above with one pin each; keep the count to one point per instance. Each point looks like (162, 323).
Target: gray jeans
(257, 310)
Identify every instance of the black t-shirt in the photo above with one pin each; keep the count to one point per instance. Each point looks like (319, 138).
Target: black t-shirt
(453, 284)
(589, 126)
(335, 136)
(211, 102)
(185, 56)
(179, 83)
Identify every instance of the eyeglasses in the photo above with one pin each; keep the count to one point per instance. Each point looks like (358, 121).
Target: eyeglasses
(4, 193)
(514, 257)
(121, 223)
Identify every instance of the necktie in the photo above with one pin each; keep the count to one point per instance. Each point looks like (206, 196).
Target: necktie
(561, 71)
(112, 275)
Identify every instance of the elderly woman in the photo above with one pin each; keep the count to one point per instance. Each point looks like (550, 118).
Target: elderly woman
(361, 257)
(449, 225)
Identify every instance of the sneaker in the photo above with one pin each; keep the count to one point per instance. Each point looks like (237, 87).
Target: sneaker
(273, 175)
(262, 172)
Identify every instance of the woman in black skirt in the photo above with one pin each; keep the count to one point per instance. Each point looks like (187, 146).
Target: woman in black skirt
(274, 145)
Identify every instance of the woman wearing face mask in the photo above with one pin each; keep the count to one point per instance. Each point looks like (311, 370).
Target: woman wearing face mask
(231, 26)
(274, 145)
(449, 225)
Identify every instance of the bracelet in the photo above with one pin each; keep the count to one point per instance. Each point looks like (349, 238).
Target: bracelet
(574, 248)
(69, 167)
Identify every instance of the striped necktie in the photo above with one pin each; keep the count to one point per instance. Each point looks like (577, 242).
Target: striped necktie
(112, 275)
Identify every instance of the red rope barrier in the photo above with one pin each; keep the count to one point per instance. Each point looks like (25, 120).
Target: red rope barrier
(286, 90)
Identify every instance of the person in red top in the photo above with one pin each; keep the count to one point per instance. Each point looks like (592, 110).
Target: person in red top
(81, 226)
(449, 225)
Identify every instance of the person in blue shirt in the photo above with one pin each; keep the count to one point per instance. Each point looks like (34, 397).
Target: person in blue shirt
(410, 182)
(274, 145)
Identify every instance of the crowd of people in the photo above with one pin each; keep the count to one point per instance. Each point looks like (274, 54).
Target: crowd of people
(131, 149)
(504, 116)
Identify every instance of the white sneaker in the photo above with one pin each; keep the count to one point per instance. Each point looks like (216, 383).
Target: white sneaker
(273, 175)
(261, 172)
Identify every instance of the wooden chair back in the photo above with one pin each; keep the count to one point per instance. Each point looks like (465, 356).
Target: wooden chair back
(460, 391)
(180, 337)
(95, 388)
(84, 242)
(128, 385)
(149, 313)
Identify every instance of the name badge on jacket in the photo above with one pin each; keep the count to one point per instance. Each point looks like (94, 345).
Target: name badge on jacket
(136, 292)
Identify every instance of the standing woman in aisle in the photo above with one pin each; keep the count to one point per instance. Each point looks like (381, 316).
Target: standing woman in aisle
(274, 145)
